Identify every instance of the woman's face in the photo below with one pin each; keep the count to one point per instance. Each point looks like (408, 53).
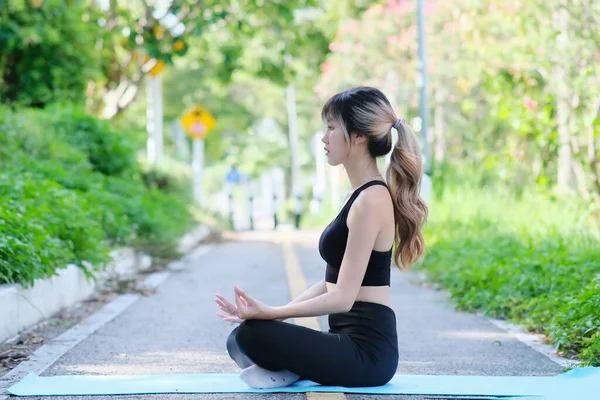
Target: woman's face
(336, 147)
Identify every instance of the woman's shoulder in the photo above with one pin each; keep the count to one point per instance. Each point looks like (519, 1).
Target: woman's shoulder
(374, 200)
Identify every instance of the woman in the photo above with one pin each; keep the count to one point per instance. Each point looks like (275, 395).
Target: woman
(361, 347)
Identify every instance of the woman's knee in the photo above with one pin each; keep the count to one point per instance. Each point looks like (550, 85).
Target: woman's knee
(250, 334)
(232, 345)
(255, 339)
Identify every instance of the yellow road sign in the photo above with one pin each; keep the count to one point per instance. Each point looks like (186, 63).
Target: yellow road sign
(198, 122)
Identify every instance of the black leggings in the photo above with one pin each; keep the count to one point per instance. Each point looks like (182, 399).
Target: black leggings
(360, 350)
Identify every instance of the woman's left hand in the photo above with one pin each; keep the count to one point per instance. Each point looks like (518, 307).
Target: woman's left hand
(231, 311)
(250, 308)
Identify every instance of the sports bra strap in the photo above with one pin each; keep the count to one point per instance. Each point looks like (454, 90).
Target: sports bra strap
(360, 189)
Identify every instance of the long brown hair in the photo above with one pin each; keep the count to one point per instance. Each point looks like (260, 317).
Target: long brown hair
(367, 111)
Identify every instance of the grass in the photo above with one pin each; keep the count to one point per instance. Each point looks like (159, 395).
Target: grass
(533, 260)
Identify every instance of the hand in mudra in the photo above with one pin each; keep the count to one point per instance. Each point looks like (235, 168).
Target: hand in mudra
(231, 310)
(245, 307)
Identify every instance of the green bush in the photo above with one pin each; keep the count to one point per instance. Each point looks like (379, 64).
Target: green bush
(27, 144)
(42, 227)
(109, 151)
(68, 136)
(72, 189)
(533, 259)
(130, 213)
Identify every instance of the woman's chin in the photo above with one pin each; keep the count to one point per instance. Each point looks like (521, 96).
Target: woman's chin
(333, 161)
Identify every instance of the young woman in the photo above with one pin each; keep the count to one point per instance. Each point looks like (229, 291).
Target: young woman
(361, 347)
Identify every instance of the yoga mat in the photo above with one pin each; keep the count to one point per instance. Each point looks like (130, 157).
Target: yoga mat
(581, 383)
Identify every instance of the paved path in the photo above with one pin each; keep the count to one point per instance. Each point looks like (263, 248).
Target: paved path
(176, 330)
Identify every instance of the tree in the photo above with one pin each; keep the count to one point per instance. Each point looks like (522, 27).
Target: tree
(137, 38)
(238, 69)
(46, 53)
(512, 106)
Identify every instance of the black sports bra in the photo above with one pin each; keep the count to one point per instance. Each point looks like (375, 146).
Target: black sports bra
(332, 245)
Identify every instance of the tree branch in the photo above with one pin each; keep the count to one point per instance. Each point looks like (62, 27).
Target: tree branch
(112, 15)
(122, 97)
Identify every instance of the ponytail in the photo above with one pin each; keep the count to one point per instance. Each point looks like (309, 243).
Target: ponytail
(410, 211)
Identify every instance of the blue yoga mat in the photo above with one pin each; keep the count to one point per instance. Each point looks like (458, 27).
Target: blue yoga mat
(580, 384)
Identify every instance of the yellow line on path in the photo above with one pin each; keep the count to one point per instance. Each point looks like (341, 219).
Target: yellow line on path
(325, 396)
(297, 285)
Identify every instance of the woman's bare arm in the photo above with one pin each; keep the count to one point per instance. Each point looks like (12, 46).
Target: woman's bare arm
(363, 227)
(315, 290)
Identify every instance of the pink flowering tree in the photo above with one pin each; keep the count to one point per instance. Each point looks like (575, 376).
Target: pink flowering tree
(514, 85)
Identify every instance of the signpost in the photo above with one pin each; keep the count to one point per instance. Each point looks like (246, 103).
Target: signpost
(154, 114)
(198, 122)
(154, 110)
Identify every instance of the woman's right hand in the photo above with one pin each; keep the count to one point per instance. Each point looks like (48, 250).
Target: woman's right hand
(230, 309)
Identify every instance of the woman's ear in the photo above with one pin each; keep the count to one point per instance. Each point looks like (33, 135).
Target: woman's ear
(358, 138)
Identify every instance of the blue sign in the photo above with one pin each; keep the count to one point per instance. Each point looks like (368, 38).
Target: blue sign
(233, 176)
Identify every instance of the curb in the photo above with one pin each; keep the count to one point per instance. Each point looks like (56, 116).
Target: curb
(517, 331)
(24, 308)
(534, 341)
